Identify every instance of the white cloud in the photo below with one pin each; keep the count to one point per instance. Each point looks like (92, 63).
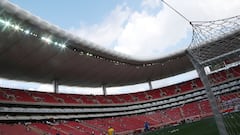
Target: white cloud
(105, 33)
(205, 10)
(143, 34)
(148, 36)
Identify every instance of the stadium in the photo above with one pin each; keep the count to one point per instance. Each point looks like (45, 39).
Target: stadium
(31, 49)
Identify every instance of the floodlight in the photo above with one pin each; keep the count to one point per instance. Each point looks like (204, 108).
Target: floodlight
(16, 27)
(63, 45)
(27, 32)
(7, 23)
(48, 40)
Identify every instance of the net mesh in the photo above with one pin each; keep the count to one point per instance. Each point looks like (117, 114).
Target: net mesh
(212, 39)
(216, 46)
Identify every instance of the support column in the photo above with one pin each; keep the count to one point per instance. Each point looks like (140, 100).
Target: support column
(203, 76)
(104, 90)
(55, 86)
(150, 85)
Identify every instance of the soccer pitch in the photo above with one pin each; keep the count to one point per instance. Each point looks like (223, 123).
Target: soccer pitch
(203, 127)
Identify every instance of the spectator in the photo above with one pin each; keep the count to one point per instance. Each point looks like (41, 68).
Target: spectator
(110, 131)
(146, 126)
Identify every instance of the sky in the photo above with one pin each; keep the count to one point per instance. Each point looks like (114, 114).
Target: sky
(143, 29)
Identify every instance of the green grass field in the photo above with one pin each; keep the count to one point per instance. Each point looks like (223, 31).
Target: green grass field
(232, 123)
(204, 127)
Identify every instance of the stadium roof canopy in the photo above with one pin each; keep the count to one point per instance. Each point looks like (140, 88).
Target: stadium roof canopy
(34, 50)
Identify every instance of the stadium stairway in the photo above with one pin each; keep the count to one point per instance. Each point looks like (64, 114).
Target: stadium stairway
(91, 127)
(36, 130)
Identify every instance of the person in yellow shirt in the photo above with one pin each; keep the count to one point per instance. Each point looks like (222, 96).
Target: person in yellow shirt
(110, 131)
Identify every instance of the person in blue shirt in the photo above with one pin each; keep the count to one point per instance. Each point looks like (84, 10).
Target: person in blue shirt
(146, 126)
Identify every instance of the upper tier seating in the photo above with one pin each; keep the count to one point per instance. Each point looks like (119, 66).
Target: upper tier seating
(13, 95)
